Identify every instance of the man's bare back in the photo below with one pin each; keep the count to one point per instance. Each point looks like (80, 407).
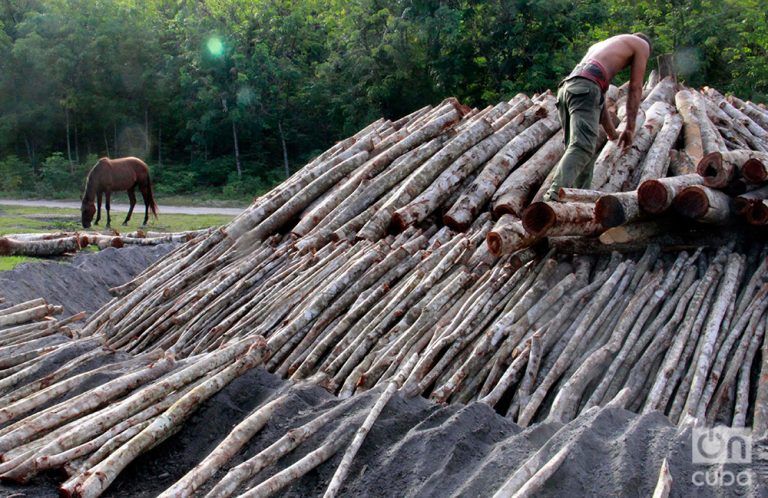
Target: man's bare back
(618, 52)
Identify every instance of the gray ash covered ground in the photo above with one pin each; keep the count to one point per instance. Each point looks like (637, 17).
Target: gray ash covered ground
(417, 448)
(80, 282)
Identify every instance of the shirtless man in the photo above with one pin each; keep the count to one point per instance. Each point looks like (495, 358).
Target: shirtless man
(580, 100)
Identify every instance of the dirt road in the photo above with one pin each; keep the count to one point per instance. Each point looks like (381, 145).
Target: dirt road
(124, 207)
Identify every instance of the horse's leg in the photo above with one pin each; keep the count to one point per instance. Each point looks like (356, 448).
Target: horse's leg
(107, 195)
(98, 212)
(145, 196)
(132, 200)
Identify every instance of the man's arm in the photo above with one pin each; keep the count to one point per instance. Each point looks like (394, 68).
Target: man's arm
(636, 75)
(607, 122)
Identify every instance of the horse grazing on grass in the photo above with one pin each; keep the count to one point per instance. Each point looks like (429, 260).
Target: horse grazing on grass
(111, 175)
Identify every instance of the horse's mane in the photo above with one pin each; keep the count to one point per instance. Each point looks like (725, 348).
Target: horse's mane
(89, 178)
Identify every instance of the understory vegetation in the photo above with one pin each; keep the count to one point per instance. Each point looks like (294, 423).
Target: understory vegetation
(225, 98)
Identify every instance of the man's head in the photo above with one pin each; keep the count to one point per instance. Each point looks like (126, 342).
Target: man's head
(646, 39)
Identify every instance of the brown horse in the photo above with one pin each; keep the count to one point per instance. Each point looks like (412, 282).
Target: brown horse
(111, 175)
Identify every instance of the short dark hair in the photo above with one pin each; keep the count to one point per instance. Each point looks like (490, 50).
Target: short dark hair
(646, 39)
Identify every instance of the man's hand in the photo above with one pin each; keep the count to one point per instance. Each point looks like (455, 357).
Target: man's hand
(626, 138)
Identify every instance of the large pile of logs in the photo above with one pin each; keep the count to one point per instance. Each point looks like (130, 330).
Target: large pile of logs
(379, 267)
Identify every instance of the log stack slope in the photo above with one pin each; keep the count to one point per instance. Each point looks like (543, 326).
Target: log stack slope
(406, 259)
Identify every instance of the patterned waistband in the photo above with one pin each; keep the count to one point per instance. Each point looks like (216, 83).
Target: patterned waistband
(593, 71)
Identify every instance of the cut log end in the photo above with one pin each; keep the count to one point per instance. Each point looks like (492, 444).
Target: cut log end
(502, 209)
(399, 222)
(716, 173)
(609, 212)
(538, 217)
(754, 171)
(757, 214)
(653, 197)
(741, 205)
(495, 243)
(692, 202)
(455, 223)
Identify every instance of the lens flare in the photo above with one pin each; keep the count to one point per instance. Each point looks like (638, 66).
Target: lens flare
(688, 61)
(215, 47)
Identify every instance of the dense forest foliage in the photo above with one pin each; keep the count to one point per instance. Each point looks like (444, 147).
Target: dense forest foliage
(224, 96)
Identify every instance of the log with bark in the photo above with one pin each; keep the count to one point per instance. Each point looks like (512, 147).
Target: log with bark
(520, 185)
(617, 209)
(39, 248)
(704, 204)
(467, 207)
(656, 196)
(757, 213)
(508, 235)
(552, 218)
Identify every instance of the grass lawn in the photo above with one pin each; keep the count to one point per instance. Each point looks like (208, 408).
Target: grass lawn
(18, 219)
(201, 200)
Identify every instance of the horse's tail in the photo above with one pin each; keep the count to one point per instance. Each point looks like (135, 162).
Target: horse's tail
(151, 198)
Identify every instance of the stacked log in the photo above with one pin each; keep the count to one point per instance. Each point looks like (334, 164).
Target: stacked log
(57, 244)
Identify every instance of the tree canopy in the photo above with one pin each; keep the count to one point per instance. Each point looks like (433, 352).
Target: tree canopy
(217, 93)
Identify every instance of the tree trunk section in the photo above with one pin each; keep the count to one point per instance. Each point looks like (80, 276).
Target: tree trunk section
(285, 149)
(578, 195)
(237, 150)
(106, 141)
(704, 204)
(520, 185)
(69, 145)
(757, 213)
(634, 232)
(666, 65)
(744, 201)
(656, 196)
(657, 160)
(146, 132)
(694, 147)
(465, 210)
(617, 209)
(42, 248)
(508, 235)
(552, 218)
(621, 170)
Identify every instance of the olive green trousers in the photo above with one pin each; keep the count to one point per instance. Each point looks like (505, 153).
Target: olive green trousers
(579, 103)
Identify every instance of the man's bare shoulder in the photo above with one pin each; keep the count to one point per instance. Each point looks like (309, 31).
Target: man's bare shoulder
(627, 45)
(617, 52)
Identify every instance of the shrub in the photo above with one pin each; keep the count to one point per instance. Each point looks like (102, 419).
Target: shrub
(57, 177)
(13, 173)
(247, 186)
